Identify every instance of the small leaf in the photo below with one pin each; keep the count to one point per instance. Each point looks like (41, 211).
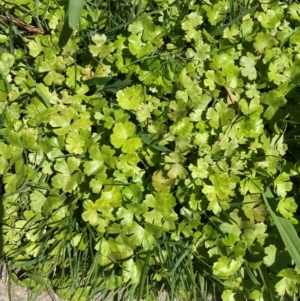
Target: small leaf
(131, 271)
(122, 137)
(200, 171)
(35, 47)
(269, 259)
(161, 182)
(248, 66)
(91, 214)
(130, 97)
(66, 179)
(37, 201)
(287, 207)
(6, 62)
(282, 184)
(226, 267)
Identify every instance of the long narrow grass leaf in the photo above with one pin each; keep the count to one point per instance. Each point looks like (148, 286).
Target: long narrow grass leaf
(287, 231)
(74, 12)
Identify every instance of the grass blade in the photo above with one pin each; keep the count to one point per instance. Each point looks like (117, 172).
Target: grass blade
(71, 21)
(74, 12)
(286, 229)
(220, 29)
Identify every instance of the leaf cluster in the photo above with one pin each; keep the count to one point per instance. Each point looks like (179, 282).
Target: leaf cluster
(135, 157)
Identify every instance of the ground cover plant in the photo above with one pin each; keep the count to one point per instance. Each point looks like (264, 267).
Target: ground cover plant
(151, 145)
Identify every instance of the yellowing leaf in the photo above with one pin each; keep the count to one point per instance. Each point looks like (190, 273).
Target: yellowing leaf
(161, 182)
(130, 97)
(101, 49)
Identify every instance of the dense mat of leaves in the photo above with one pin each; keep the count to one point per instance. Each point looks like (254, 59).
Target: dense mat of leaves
(147, 141)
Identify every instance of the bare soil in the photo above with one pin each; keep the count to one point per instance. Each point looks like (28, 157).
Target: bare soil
(18, 293)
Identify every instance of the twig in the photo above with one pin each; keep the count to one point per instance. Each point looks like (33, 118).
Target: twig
(19, 23)
(235, 104)
(231, 96)
(281, 136)
(229, 127)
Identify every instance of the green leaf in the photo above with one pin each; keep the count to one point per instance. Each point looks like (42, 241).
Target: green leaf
(215, 12)
(232, 33)
(228, 295)
(29, 140)
(275, 75)
(37, 201)
(125, 215)
(209, 81)
(74, 143)
(263, 41)
(161, 182)
(254, 209)
(275, 100)
(99, 181)
(220, 192)
(133, 193)
(189, 26)
(137, 47)
(97, 164)
(63, 119)
(131, 271)
(182, 128)
(199, 171)
(248, 66)
(271, 18)
(221, 114)
(270, 252)
(282, 184)
(53, 77)
(6, 62)
(163, 214)
(108, 156)
(107, 201)
(252, 186)
(35, 47)
(226, 267)
(144, 237)
(67, 179)
(289, 283)
(122, 137)
(175, 168)
(15, 180)
(101, 49)
(130, 97)
(287, 207)
(91, 214)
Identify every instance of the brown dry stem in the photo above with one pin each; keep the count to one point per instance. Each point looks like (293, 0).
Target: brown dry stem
(29, 28)
(234, 102)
